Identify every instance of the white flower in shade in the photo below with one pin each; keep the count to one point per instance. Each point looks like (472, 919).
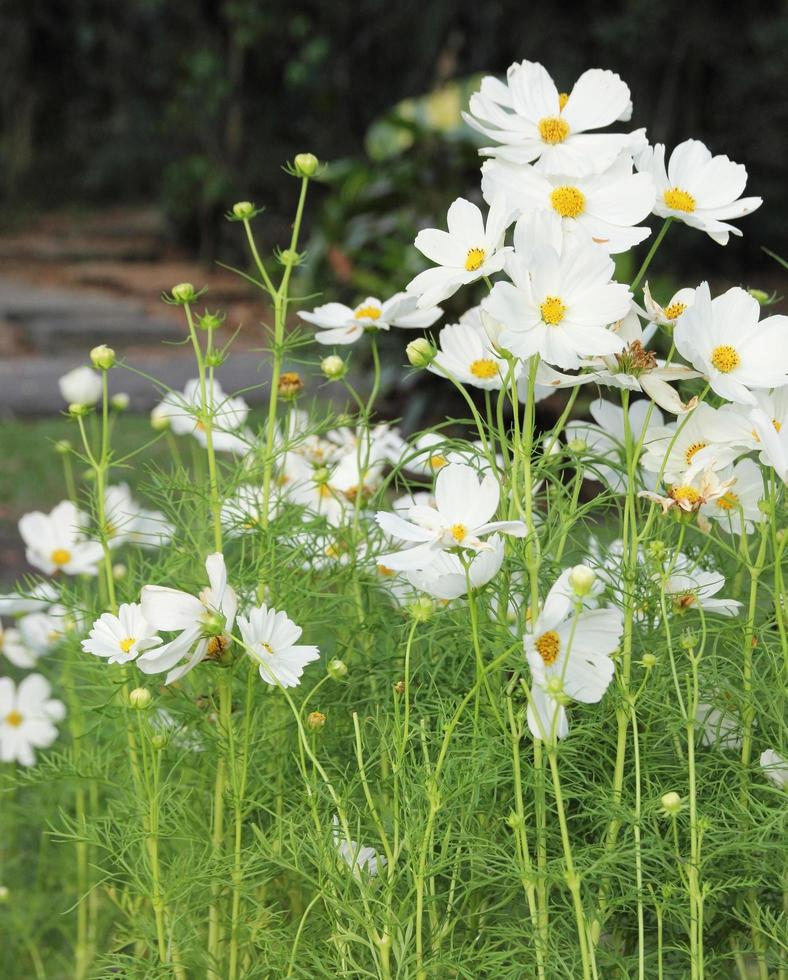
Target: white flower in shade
(559, 305)
(739, 418)
(271, 640)
(15, 650)
(605, 440)
(28, 716)
(82, 386)
(41, 632)
(667, 315)
(203, 622)
(775, 767)
(128, 522)
(603, 208)
(736, 509)
(469, 250)
(445, 578)
(695, 588)
(697, 188)
(56, 542)
(186, 413)
(466, 354)
(357, 857)
(719, 729)
(340, 324)
(725, 342)
(460, 519)
(119, 639)
(532, 120)
(774, 442)
(569, 649)
(242, 512)
(700, 440)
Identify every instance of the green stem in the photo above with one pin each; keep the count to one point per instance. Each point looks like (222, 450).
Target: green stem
(651, 253)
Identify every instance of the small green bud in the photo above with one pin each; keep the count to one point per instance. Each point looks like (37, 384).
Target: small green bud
(119, 402)
(119, 571)
(671, 803)
(315, 721)
(337, 669)
(657, 550)
(577, 445)
(159, 419)
(333, 367)
(582, 579)
(63, 447)
(289, 256)
(214, 358)
(140, 698)
(213, 623)
(77, 411)
(305, 164)
(5, 894)
(649, 661)
(422, 609)
(688, 640)
(102, 357)
(243, 210)
(762, 297)
(158, 742)
(321, 474)
(420, 353)
(514, 820)
(183, 293)
(765, 507)
(210, 321)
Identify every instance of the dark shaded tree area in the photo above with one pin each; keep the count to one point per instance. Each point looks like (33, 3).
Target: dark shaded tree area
(197, 104)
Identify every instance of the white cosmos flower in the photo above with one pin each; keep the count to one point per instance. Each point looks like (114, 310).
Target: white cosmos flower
(201, 621)
(704, 487)
(725, 342)
(271, 640)
(697, 188)
(28, 716)
(603, 208)
(128, 522)
(775, 767)
(41, 632)
(774, 442)
(605, 441)
(15, 650)
(184, 411)
(666, 316)
(533, 121)
(340, 324)
(466, 354)
(737, 508)
(460, 518)
(357, 857)
(703, 442)
(695, 588)
(243, 510)
(559, 306)
(739, 418)
(719, 729)
(82, 386)
(38, 599)
(444, 577)
(121, 638)
(56, 542)
(469, 250)
(569, 650)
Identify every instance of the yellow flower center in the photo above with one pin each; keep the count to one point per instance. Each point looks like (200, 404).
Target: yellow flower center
(484, 368)
(438, 462)
(685, 495)
(694, 448)
(548, 646)
(127, 644)
(14, 719)
(475, 259)
(674, 311)
(728, 501)
(367, 313)
(553, 310)
(385, 571)
(678, 200)
(777, 425)
(553, 129)
(324, 490)
(60, 556)
(458, 532)
(725, 358)
(563, 98)
(569, 202)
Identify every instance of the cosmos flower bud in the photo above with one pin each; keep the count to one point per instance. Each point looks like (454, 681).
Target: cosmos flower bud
(649, 661)
(215, 358)
(333, 367)
(337, 669)
(305, 164)
(77, 410)
(290, 384)
(159, 419)
(243, 210)
(514, 820)
(159, 741)
(422, 609)
(210, 321)
(213, 623)
(671, 803)
(119, 402)
(577, 445)
(762, 297)
(82, 386)
(102, 357)
(183, 293)
(289, 256)
(420, 353)
(63, 447)
(399, 687)
(119, 571)
(315, 720)
(140, 698)
(582, 579)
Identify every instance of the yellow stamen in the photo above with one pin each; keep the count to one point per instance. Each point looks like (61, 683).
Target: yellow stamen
(728, 501)
(14, 719)
(553, 129)
(60, 556)
(691, 450)
(484, 369)
(569, 202)
(777, 425)
(563, 98)
(725, 358)
(678, 200)
(385, 571)
(548, 646)
(438, 462)
(458, 532)
(674, 311)
(475, 259)
(553, 310)
(127, 644)
(267, 647)
(367, 313)
(685, 495)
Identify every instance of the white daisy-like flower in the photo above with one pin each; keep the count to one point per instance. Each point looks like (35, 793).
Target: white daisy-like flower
(15, 650)
(271, 640)
(444, 577)
(604, 208)
(701, 190)
(28, 716)
(82, 386)
(42, 631)
(738, 418)
(559, 306)
(466, 354)
(704, 488)
(774, 442)
(532, 120)
(719, 729)
(703, 442)
(185, 413)
(121, 638)
(725, 341)
(460, 519)
(667, 315)
(340, 324)
(56, 542)
(737, 509)
(775, 767)
(357, 857)
(695, 588)
(469, 250)
(38, 599)
(569, 650)
(243, 510)
(128, 522)
(203, 622)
